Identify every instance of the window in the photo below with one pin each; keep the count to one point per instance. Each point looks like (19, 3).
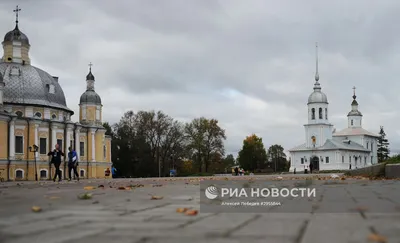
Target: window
(43, 146)
(19, 144)
(367, 145)
(350, 159)
(342, 159)
(43, 174)
(365, 160)
(50, 88)
(372, 145)
(320, 113)
(82, 148)
(327, 159)
(38, 115)
(54, 116)
(19, 114)
(104, 151)
(19, 174)
(313, 140)
(302, 161)
(352, 122)
(326, 113)
(60, 143)
(82, 173)
(372, 159)
(313, 114)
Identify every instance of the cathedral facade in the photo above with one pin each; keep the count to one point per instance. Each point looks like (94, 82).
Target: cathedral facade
(326, 149)
(34, 114)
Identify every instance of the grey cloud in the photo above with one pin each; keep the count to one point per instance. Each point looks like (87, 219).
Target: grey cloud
(180, 55)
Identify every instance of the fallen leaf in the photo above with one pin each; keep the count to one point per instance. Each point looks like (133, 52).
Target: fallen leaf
(377, 238)
(181, 210)
(342, 178)
(191, 212)
(95, 202)
(88, 187)
(156, 197)
(101, 186)
(121, 188)
(36, 209)
(85, 196)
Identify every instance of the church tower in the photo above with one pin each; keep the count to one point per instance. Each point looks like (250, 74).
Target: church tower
(354, 117)
(90, 107)
(16, 45)
(318, 129)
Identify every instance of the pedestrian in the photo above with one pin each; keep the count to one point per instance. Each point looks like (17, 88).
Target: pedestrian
(236, 171)
(114, 172)
(56, 160)
(311, 168)
(72, 163)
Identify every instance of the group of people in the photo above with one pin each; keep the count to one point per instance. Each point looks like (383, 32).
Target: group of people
(239, 172)
(72, 162)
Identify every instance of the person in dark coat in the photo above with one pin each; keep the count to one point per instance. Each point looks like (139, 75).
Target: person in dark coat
(311, 168)
(56, 160)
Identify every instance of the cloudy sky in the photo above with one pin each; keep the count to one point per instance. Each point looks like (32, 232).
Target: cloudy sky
(250, 64)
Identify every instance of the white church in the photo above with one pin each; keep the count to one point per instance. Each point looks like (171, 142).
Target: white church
(325, 149)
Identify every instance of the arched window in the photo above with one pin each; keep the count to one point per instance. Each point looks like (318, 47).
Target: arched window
(320, 113)
(19, 174)
(43, 174)
(352, 122)
(313, 114)
(82, 173)
(38, 115)
(104, 151)
(326, 113)
(19, 114)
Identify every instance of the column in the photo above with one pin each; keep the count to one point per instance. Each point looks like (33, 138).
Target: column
(36, 140)
(109, 151)
(12, 139)
(77, 142)
(69, 133)
(53, 136)
(92, 131)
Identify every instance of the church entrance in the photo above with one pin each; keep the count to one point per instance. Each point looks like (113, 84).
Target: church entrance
(315, 163)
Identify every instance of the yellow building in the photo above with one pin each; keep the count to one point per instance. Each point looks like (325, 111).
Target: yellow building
(33, 111)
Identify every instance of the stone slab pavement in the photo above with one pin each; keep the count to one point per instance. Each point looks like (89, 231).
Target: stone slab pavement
(113, 215)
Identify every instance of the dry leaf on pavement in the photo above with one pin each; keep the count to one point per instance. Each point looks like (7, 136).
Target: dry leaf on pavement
(85, 196)
(121, 188)
(191, 212)
(88, 187)
(156, 197)
(36, 209)
(101, 186)
(377, 238)
(181, 210)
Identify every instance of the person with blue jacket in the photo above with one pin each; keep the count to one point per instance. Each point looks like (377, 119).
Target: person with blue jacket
(113, 172)
(73, 163)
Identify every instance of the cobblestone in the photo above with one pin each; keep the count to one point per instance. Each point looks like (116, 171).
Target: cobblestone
(131, 216)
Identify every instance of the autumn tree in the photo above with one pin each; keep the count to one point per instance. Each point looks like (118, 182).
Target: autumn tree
(382, 146)
(277, 158)
(252, 156)
(204, 137)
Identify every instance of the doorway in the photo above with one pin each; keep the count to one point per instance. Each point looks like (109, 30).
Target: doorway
(315, 163)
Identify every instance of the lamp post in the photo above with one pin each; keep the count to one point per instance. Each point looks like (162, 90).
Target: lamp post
(34, 149)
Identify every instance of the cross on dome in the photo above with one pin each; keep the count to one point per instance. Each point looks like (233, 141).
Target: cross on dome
(354, 92)
(90, 66)
(16, 10)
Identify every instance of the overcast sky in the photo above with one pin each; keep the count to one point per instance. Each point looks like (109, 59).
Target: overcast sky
(249, 64)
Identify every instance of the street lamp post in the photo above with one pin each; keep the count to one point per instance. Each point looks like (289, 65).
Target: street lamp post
(34, 149)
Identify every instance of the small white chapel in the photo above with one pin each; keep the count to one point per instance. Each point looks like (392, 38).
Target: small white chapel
(324, 148)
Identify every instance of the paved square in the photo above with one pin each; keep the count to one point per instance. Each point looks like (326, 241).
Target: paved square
(129, 215)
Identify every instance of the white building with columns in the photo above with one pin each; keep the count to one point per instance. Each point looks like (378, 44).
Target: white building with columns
(325, 149)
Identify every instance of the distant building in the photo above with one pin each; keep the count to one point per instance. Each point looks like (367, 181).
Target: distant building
(33, 111)
(353, 147)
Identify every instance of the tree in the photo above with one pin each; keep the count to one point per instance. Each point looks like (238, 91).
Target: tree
(252, 156)
(383, 146)
(204, 137)
(277, 158)
(108, 128)
(229, 161)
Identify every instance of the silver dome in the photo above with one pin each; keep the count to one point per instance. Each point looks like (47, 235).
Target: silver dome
(90, 96)
(16, 34)
(354, 113)
(29, 85)
(317, 96)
